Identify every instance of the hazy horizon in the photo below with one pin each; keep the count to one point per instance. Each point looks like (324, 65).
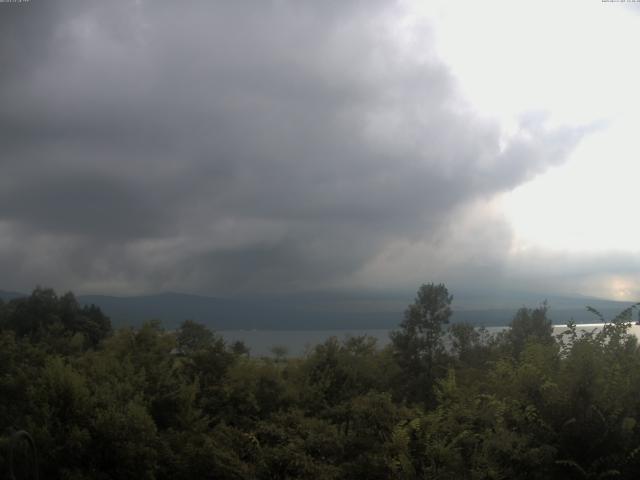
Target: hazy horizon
(273, 148)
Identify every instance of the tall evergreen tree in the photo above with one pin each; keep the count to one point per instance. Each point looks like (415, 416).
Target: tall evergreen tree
(419, 341)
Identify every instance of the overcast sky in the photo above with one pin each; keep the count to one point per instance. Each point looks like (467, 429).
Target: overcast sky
(232, 148)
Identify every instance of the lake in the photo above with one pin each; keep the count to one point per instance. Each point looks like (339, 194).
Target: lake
(297, 342)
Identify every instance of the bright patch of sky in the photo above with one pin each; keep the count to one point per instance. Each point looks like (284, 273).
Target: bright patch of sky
(575, 63)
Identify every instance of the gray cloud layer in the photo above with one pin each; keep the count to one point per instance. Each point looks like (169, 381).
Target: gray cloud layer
(224, 147)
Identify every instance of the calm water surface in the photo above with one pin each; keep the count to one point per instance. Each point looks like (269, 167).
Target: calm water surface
(297, 342)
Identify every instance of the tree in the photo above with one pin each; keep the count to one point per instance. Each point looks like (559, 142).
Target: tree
(469, 344)
(280, 352)
(240, 348)
(419, 340)
(194, 336)
(530, 325)
(44, 314)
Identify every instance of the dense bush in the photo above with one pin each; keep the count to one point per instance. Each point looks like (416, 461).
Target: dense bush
(148, 403)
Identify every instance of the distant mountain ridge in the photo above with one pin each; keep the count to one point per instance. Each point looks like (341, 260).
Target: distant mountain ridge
(7, 295)
(324, 312)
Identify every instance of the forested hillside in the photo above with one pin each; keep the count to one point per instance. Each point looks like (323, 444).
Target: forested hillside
(149, 403)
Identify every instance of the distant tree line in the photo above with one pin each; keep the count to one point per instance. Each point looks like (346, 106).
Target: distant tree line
(146, 403)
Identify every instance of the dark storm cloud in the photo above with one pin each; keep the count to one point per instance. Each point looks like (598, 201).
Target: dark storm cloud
(228, 146)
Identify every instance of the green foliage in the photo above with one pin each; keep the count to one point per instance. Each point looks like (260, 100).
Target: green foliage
(530, 325)
(150, 403)
(418, 343)
(60, 322)
(193, 337)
